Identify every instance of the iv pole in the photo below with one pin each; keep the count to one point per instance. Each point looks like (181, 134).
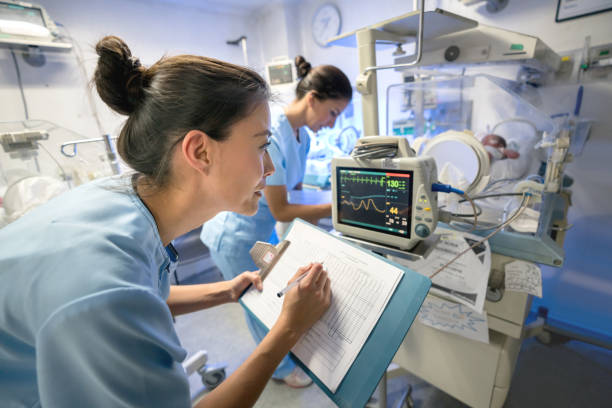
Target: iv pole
(243, 42)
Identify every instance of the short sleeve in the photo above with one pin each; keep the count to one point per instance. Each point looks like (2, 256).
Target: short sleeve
(279, 177)
(116, 348)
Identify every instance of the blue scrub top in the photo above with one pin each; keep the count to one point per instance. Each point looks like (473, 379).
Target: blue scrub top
(287, 153)
(83, 317)
(239, 232)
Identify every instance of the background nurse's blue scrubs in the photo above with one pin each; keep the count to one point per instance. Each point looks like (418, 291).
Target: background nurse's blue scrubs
(321, 95)
(230, 236)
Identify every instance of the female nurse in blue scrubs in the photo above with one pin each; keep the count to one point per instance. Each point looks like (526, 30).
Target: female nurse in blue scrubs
(85, 304)
(322, 94)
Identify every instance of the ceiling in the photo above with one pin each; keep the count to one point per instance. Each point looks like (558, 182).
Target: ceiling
(239, 7)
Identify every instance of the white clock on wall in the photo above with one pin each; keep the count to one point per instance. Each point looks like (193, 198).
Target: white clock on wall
(326, 23)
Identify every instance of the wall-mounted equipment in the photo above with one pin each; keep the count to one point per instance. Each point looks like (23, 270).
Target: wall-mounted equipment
(24, 25)
(280, 72)
(443, 38)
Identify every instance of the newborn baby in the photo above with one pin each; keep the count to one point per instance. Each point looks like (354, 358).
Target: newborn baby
(496, 147)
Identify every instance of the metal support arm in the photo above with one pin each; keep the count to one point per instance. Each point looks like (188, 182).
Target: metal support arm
(366, 81)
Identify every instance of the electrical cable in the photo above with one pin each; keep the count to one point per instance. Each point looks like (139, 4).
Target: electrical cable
(374, 150)
(78, 53)
(447, 188)
(493, 195)
(469, 215)
(23, 99)
(479, 213)
(480, 198)
(484, 228)
(519, 211)
(475, 222)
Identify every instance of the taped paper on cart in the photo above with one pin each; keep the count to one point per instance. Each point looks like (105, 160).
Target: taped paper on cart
(523, 276)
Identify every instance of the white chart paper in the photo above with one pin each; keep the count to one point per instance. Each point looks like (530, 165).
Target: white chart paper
(361, 285)
(454, 318)
(463, 281)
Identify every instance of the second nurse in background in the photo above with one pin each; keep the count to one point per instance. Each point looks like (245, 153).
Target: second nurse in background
(322, 93)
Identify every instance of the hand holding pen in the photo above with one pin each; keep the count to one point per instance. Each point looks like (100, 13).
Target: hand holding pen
(303, 307)
(295, 282)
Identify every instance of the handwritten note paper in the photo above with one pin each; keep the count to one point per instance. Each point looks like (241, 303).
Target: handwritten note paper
(454, 318)
(525, 277)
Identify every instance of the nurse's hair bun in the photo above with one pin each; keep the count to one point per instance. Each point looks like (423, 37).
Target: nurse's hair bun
(303, 66)
(119, 77)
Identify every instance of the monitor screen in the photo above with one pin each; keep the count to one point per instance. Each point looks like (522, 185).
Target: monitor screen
(14, 12)
(280, 74)
(375, 199)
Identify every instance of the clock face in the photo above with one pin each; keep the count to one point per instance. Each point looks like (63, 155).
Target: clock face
(325, 24)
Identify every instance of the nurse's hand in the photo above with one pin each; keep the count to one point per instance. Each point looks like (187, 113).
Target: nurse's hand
(304, 304)
(242, 281)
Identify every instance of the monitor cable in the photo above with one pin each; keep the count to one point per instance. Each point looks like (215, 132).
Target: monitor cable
(20, 82)
(458, 217)
(517, 213)
(374, 151)
(447, 188)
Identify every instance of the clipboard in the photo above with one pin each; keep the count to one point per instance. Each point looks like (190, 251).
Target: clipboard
(383, 342)
(267, 255)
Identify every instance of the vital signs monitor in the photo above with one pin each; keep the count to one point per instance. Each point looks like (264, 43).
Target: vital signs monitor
(382, 193)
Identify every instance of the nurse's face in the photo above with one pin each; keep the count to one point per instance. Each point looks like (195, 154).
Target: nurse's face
(242, 163)
(323, 112)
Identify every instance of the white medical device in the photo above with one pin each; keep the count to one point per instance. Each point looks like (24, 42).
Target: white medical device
(28, 25)
(281, 72)
(382, 193)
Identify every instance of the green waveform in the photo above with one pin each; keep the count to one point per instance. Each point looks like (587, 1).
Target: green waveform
(363, 179)
(378, 181)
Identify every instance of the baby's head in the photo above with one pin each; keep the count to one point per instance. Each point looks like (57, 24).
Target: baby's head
(495, 146)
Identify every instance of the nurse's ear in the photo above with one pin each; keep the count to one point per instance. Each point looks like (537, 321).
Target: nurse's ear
(311, 99)
(197, 148)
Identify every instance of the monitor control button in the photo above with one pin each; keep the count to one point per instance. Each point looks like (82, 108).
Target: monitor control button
(421, 230)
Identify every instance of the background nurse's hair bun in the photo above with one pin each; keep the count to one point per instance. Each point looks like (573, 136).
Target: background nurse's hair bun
(119, 76)
(303, 66)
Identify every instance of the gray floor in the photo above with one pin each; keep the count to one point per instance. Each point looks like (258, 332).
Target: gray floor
(571, 374)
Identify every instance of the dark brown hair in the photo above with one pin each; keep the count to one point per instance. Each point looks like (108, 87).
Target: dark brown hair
(166, 101)
(327, 81)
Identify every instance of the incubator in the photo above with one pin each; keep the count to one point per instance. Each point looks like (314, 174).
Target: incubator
(491, 142)
(33, 169)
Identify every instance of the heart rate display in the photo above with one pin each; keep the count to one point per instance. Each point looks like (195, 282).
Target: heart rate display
(375, 199)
